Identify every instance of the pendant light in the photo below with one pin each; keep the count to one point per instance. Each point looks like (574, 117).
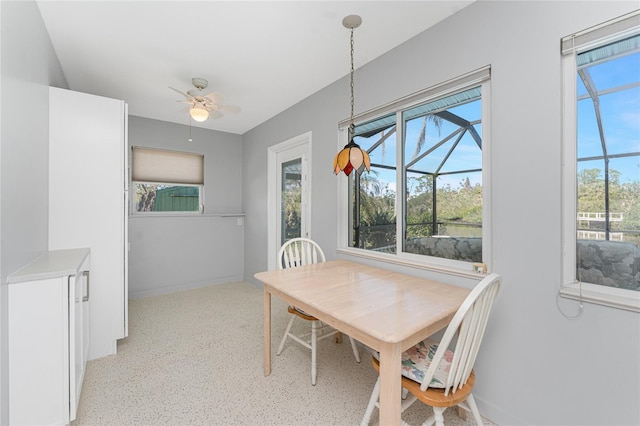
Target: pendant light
(352, 157)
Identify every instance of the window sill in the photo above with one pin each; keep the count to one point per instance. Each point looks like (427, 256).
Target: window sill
(411, 263)
(607, 296)
(184, 214)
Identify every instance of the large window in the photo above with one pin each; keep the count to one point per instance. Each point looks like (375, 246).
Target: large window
(166, 181)
(429, 147)
(602, 163)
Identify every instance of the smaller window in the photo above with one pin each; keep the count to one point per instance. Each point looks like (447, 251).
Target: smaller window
(602, 150)
(167, 181)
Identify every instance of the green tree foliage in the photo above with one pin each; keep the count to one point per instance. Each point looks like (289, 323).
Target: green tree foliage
(291, 206)
(377, 213)
(624, 198)
(419, 205)
(461, 205)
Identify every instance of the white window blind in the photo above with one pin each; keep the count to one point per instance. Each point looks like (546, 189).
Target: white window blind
(448, 87)
(601, 34)
(163, 166)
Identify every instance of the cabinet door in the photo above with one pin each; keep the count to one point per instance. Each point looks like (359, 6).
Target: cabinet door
(39, 352)
(87, 183)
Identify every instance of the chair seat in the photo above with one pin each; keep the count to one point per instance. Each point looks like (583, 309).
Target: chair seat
(417, 359)
(302, 314)
(416, 362)
(435, 397)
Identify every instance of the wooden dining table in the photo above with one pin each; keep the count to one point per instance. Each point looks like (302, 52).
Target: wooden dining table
(385, 310)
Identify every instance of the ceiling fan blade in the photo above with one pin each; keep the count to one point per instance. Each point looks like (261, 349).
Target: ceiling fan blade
(215, 97)
(182, 93)
(231, 108)
(195, 93)
(215, 114)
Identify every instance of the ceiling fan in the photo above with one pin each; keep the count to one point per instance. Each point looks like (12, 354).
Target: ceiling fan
(204, 104)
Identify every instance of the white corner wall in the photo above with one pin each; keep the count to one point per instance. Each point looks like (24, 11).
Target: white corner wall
(536, 366)
(28, 66)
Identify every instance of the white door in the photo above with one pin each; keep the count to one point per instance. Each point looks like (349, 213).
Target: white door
(289, 193)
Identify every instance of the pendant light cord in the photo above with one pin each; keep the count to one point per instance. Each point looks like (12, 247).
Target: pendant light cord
(351, 125)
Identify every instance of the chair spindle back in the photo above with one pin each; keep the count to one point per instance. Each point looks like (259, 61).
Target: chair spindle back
(298, 252)
(469, 323)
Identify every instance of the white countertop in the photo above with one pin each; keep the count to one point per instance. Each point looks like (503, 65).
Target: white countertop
(52, 264)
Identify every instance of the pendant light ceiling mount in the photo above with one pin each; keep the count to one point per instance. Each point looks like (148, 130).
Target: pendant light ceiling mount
(351, 22)
(352, 157)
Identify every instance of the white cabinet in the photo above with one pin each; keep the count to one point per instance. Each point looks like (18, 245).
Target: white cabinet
(48, 337)
(88, 202)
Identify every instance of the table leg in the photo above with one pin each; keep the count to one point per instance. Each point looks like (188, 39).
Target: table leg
(267, 333)
(390, 384)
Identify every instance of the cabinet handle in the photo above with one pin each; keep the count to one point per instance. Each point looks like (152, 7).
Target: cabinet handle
(86, 298)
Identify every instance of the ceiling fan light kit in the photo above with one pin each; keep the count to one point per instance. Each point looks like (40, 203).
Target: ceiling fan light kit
(199, 113)
(204, 105)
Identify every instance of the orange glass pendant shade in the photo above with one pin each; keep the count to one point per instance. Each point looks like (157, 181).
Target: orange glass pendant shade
(351, 158)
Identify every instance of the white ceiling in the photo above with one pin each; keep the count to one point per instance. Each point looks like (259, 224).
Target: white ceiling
(263, 56)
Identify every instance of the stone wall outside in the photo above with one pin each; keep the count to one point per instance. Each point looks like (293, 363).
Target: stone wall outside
(608, 263)
(466, 249)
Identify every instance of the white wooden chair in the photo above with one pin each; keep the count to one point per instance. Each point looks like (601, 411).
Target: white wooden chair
(438, 376)
(298, 252)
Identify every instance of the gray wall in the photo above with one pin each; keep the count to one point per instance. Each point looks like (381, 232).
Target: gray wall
(536, 366)
(28, 66)
(180, 252)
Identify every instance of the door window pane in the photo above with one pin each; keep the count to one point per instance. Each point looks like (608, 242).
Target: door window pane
(291, 202)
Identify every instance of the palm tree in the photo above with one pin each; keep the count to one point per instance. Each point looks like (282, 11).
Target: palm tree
(437, 122)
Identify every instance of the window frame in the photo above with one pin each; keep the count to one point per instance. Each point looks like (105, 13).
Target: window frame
(571, 47)
(477, 78)
(190, 182)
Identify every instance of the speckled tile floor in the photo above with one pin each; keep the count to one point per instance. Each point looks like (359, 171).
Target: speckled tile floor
(195, 358)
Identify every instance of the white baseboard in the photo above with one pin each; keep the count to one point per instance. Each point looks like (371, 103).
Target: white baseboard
(137, 294)
(490, 412)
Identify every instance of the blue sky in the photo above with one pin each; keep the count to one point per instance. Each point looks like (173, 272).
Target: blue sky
(620, 114)
(466, 155)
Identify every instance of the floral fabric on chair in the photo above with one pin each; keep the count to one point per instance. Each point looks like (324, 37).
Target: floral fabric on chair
(416, 362)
